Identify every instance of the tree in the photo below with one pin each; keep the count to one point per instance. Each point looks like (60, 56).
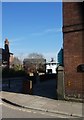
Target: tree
(16, 64)
(35, 62)
(35, 56)
(16, 61)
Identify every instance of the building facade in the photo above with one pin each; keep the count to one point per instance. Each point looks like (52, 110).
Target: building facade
(51, 67)
(60, 57)
(0, 56)
(73, 32)
(6, 57)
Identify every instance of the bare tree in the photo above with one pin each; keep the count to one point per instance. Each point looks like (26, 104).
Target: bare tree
(35, 62)
(35, 56)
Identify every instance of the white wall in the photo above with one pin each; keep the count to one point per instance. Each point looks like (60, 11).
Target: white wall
(51, 66)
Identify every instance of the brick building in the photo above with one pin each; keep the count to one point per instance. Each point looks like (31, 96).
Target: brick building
(73, 30)
(60, 57)
(6, 57)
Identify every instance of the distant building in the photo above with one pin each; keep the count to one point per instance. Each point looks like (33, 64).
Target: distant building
(11, 59)
(6, 57)
(3, 60)
(0, 57)
(60, 57)
(51, 66)
(34, 65)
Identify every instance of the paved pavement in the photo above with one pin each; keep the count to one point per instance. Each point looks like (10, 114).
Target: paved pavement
(43, 104)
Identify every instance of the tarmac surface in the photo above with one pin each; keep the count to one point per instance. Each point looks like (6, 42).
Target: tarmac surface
(43, 104)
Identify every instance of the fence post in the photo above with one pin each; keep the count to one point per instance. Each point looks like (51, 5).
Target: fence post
(31, 83)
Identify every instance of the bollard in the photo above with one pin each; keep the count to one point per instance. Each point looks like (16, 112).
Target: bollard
(28, 85)
(31, 86)
(31, 83)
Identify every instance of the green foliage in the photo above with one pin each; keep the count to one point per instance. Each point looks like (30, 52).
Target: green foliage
(17, 67)
(12, 73)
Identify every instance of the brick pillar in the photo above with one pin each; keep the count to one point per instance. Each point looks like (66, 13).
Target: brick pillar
(73, 31)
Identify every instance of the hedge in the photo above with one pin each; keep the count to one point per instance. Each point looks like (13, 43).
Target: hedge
(12, 73)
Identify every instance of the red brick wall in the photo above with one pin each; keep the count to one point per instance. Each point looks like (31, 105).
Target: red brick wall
(72, 13)
(73, 48)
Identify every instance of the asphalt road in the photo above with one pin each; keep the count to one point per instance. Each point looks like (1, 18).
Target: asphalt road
(10, 111)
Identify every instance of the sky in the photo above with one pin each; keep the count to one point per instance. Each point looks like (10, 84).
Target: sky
(33, 27)
(0, 22)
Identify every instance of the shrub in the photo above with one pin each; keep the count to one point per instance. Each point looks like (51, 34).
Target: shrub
(12, 73)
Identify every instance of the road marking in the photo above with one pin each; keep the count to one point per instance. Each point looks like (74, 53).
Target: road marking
(1, 103)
